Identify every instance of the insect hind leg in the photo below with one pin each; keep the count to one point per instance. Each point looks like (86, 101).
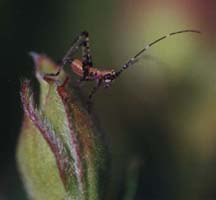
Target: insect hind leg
(86, 55)
(82, 41)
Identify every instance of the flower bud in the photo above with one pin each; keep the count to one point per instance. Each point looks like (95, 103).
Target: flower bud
(60, 153)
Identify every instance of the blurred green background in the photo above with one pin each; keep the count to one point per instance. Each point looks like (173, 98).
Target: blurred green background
(161, 111)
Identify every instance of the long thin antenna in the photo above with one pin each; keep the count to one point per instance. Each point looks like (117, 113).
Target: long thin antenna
(132, 60)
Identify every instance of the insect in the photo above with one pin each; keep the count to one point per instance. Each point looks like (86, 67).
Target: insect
(84, 67)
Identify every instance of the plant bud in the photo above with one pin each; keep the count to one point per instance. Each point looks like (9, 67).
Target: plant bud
(60, 153)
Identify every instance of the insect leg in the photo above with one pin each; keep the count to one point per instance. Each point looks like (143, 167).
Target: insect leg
(94, 90)
(76, 44)
(86, 55)
(81, 41)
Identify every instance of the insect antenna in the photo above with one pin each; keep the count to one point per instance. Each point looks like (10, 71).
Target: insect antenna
(132, 60)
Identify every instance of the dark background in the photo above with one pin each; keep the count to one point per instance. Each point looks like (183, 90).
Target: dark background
(161, 111)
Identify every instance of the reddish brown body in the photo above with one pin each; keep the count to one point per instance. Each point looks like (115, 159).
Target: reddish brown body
(77, 67)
